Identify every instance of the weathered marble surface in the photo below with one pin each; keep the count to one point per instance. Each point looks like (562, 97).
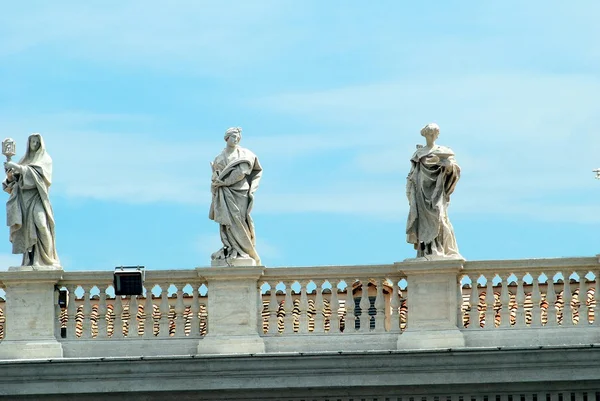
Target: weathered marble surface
(236, 173)
(432, 178)
(28, 209)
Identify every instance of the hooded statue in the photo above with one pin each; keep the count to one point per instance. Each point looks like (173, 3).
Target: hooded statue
(236, 174)
(28, 210)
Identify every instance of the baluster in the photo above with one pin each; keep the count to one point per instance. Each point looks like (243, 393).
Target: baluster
(350, 325)
(365, 305)
(57, 316)
(303, 320)
(71, 311)
(260, 308)
(460, 313)
(576, 306)
(584, 311)
(179, 309)
(520, 321)
(140, 316)
(204, 311)
(395, 308)
(596, 298)
(86, 324)
(132, 314)
(536, 299)
(567, 297)
(164, 311)
(504, 301)
(195, 310)
(148, 311)
(474, 303)
(288, 320)
(334, 304)
(380, 307)
(490, 299)
(102, 309)
(118, 311)
(319, 318)
(273, 308)
(551, 300)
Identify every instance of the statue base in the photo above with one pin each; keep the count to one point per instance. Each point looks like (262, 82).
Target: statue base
(34, 268)
(232, 262)
(430, 258)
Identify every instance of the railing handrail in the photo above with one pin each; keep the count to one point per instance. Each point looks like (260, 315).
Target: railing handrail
(526, 265)
(95, 277)
(325, 272)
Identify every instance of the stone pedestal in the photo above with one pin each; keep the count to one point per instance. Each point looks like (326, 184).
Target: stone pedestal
(233, 262)
(233, 308)
(432, 305)
(30, 314)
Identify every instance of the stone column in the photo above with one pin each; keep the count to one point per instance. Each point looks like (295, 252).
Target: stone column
(233, 313)
(30, 315)
(433, 300)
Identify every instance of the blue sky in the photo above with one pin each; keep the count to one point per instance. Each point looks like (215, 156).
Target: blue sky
(133, 98)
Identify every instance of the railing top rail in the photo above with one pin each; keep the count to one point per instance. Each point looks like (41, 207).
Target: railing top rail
(324, 272)
(328, 272)
(150, 276)
(537, 265)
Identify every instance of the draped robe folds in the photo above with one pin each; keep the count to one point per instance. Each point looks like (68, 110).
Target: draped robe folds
(429, 186)
(232, 203)
(29, 212)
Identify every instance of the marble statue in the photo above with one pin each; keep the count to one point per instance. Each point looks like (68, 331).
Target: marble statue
(236, 174)
(430, 182)
(28, 210)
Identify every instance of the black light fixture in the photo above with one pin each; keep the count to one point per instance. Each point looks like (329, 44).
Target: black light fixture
(129, 280)
(62, 298)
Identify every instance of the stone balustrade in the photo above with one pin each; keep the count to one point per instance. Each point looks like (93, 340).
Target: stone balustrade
(530, 302)
(401, 306)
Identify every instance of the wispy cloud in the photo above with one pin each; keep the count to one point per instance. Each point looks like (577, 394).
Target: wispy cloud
(174, 37)
(517, 137)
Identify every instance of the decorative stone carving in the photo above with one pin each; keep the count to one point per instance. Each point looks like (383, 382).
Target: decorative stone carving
(236, 174)
(28, 209)
(431, 180)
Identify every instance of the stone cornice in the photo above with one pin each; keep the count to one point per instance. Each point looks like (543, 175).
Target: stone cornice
(422, 370)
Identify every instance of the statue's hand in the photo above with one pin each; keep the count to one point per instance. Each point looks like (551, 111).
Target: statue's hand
(11, 166)
(217, 183)
(446, 163)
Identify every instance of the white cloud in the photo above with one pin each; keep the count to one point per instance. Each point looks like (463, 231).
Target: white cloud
(194, 36)
(517, 137)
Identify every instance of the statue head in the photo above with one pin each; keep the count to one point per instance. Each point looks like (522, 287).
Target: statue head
(34, 142)
(36, 150)
(431, 130)
(233, 136)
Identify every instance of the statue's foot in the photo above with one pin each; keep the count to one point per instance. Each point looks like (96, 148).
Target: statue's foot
(220, 254)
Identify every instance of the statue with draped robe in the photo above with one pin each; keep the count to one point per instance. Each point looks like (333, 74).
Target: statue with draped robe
(432, 178)
(236, 173)
(29, 214)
